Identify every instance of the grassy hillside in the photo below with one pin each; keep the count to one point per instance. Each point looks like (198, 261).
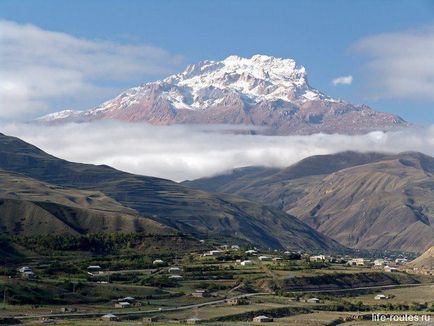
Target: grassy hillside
(371, 201)
(191, 211)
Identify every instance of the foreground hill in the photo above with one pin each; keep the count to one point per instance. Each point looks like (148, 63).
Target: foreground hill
(31, 207)
(263, 91)
(372, 200)
(190, 211)
(424, 261)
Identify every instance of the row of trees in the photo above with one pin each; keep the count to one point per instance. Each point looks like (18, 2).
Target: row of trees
(94, 242)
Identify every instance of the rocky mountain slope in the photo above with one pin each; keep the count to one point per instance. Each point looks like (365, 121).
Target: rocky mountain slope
(190, 211)
(372, 200)
(270, 93)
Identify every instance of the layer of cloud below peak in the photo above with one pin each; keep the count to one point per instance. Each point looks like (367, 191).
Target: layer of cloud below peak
(187, 152)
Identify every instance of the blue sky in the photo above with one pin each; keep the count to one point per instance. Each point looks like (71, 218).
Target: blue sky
(330, 38)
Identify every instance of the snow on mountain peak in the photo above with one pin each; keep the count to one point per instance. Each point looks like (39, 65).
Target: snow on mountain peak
(258, 78)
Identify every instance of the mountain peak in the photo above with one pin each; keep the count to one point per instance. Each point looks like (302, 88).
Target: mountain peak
(273, 93)
(258, 78)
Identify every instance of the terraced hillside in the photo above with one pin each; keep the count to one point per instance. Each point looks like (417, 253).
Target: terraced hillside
(371, 201)
(193, 212)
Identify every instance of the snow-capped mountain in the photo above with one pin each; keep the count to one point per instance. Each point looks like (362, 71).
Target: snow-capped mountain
(264, 91)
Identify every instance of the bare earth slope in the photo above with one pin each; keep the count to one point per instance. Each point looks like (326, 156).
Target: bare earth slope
(424, 261)
(371, 200)
(191, 211)
(31, 207)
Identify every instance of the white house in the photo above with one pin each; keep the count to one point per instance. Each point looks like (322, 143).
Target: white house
(251, 252)
(25, 269)
(109, 317)
(389, 269)
(317, 258)
(175, 277)
(213, 253)
(158, 262)
(174, 270)
(246, 263)
(380, 297)
(264, 258)
(379, 262)
(235, 247)
(122, 304)
(313, 300)
(262, 319)
(357, 262)
(127, 299)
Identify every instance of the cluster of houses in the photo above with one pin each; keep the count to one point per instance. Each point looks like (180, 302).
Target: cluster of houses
(384, 264)
(127, 302)
(27, 273)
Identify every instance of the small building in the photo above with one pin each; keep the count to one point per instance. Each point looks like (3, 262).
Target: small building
(94, 268)
(68, 309)
(194, 321)
(380, 297)
(122, 305)
(235, 247)
(277, 259)
(172, 270)
(401, 261)
(313, 300)
(262, 319)
(251, 252)
(237, 301)
(318, 258)
(25, 269)
(149, 320)
(357, 262)
(264, 258)
(175, 277)
(389, 269)
(158, 262)
(200, 294)
(109, 317)
(246, 263)
(379, 262)
(127, 299)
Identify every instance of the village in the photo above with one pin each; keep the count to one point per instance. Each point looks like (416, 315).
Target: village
(227, 282)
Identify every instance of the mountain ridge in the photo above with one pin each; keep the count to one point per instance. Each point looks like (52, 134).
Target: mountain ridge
(362, 200)
(190, 211)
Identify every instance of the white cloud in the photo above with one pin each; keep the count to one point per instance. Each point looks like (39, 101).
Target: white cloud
(186, 152)
(38, 66)
(344, 80)
(400, 65)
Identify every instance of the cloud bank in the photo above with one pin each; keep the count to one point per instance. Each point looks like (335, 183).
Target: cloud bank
(344, 80)
(188, 152)
(39, 66)
(400, 65)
